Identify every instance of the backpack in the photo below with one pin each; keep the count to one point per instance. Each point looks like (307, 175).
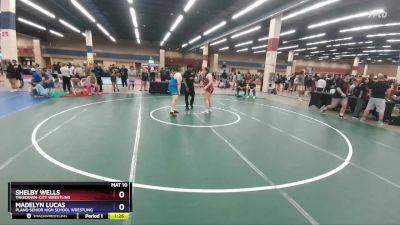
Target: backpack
(394, 120)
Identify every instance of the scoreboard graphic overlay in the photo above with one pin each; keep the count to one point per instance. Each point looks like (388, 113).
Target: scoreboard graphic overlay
(70, 200)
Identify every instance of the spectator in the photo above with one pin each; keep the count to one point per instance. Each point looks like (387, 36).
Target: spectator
(329, 83)
(10, 74)
(131, 77)
(114, 80)
(361, 92)
(378, 92)
(124, 76)
(66, 77)
(18, 73)
(241, 86)
(145, 78)
(252, 88)
(79, 72)
(224, 79)
(321, 84)
(300, 84)
(98, 72)
(163, 75)
(152, 75)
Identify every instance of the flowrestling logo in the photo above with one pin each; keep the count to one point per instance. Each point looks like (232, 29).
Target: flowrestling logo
(378, 14)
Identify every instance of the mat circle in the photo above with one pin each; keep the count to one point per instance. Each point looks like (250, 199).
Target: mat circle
(238, 118)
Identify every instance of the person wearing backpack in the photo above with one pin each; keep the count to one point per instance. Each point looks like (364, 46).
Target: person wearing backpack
(361, 92)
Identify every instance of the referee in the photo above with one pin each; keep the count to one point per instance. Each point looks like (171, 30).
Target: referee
(188, 81)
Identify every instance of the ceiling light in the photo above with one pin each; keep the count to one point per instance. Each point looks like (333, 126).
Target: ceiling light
(83, 10)
(313, 36)
(386, 46)
(31, 23)
(310, 8)
(133, 15)
(383, 35)
(184, 45)
(242, 50)
(340, 19)
(83, 34)
(281, 35)
(333, 50)
(300, 50)
(260, 46)
(393, 40)
(166, 36)
(367, 27)
(244, 43)
(162, 43)
(69, 26)
(137, 33)
(189, 5)
(380, 50)
(288, 47)
(138, 40)
(261, 51)
(214, 28)
(130, 1)
(307, 37)
(195, 39)
(248, 9)
(313, 48)
(56, 33)
(218, 42)
(38, 8)
(246, 32)
(176, 23)
(223, 48)
(328, 41)
(112, 38)
(103, 29)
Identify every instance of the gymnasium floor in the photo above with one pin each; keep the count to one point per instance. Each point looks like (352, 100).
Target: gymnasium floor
(249, 162)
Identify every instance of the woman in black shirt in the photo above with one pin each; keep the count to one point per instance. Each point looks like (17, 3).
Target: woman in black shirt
(145, 78)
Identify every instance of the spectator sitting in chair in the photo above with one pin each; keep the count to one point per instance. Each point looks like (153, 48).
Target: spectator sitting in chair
(252, 88)
(241, 86)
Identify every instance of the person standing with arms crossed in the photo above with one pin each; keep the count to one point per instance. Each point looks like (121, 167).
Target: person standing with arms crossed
(174, 88)
(188, 81)
(208, 82)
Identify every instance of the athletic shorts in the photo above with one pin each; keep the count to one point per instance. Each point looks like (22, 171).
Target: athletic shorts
(335, 101)
(378, 103)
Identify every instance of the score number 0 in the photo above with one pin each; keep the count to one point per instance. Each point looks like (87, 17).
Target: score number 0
(121, 206)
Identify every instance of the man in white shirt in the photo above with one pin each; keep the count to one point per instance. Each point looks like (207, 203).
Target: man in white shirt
(66, 77)
(321, 84)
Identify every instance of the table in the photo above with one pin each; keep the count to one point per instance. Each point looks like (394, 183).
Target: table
(158, 88)
(320, 99)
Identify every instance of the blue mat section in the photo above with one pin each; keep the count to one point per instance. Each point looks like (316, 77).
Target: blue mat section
(16, 101)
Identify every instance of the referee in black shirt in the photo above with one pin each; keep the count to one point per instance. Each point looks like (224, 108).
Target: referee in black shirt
(188, 81)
